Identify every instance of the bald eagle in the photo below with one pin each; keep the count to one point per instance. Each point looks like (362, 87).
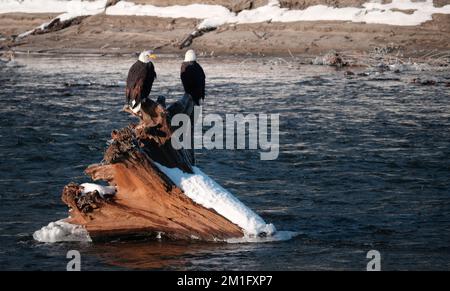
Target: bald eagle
(140, 80)
(193, 77)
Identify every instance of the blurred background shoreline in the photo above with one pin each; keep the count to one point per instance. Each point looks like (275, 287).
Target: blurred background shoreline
(103, 34)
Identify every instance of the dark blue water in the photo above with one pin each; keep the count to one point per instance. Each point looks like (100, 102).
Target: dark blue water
(364, 164)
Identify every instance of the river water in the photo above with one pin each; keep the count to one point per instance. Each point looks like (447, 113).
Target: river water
(364, 163)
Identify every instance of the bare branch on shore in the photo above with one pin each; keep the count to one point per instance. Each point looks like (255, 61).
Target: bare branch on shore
(187, 41)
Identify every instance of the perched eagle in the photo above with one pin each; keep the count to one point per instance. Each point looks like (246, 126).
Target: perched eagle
(140, 80)
(193, 77)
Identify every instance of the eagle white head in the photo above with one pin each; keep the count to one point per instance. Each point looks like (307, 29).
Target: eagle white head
(147, 56)
(190, 56)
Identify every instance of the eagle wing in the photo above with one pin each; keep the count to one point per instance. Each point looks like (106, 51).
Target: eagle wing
(140, 81)
(201, 81)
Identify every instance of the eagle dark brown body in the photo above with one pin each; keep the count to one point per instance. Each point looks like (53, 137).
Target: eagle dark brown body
(193, 79)
(140, 81)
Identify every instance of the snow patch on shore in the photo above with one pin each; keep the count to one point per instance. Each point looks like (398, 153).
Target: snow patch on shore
(215, 15)
(205, 191)
(60, 231)
(78, 7)
(371, 12)
(69, 9)
(196, 11)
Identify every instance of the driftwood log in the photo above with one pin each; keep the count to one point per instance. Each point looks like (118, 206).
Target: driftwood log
(147, 202)
(187, 41)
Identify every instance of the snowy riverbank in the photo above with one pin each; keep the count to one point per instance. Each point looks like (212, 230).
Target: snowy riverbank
(271, 29)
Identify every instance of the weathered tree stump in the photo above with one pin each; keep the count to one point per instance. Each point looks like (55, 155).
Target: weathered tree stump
(146, 202)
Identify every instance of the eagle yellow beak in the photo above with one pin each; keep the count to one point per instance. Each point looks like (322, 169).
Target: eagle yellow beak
(152, 56)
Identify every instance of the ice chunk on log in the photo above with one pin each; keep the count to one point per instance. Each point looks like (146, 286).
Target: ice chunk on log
(103, 191)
